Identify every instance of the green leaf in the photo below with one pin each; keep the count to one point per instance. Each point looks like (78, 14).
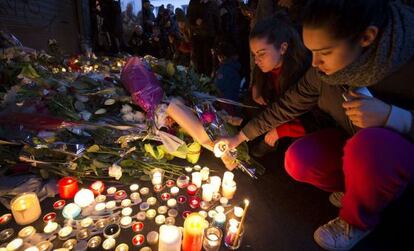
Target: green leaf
(93, 149)
(99, 164)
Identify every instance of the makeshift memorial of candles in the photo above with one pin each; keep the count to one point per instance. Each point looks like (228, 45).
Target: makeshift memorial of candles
(171, 203)
(196, 179)
(229, 189)
(212, 239)
(65, 232)
(192, 189)
(58, 205)
(207, 192)
(111, 191)
(15, 245)
(160, 219)
(137, 227)
(84, 198)
(215, 182)
(134, 187)
(138, 240)
(97, 187)
(205, 172)
(25, 208)
(152, 237)
(157, 176)
(194, 226)
(68, 187)
(111, 231)
(50, 227)
(194, 202)
(183, 181)
(26, 232)
(174, 191)
(5, 218)
(169, 238)
(109, 244)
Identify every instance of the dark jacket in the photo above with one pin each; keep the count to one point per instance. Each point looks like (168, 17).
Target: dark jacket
(208, 13)
(227, 79)
(397, 89)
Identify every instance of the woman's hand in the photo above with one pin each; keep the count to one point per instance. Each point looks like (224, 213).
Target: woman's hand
(366, 111)
(271, 137)
(257, 96)
(233, 142)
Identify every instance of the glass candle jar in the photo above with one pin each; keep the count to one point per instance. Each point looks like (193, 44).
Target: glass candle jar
(25, 208)
(212, 239)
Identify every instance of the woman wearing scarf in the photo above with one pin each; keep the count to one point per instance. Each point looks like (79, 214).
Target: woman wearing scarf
(362, 75)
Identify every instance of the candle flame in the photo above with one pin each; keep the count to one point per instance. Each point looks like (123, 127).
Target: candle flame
(246, 202)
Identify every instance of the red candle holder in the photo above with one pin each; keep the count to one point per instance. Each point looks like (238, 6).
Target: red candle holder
(97, 187)
(165, 196)
(185, 214)
(68, 187)
(49, 217)
(137, 227)
(138, 240)
(120, 195)
(181, 199)
(194, 202)
(170, 183)
(5, 218)
(192, 189)
(58, 205)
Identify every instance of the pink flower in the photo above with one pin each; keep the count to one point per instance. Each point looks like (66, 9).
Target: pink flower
(208, 117)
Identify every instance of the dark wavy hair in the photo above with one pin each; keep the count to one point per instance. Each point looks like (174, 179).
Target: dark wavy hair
(277, 30)
(345, 19)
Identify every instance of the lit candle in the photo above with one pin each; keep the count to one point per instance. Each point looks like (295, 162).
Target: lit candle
(169, 238)
(194, 226)
(32, 248)
(144, 206)
(126, 221)
(170, 183)
(84, 197)
(5, 218)
(138, 240)
(172, 213)
(215, 182)
(196, 179)
(212, 239)
(229, 189)
(87, 222)
(27, 232)
(151, 201)
(137, 227)
(59, 204)
(231, 234)
(207, 192)
(152, 238)
(151, 213)
(183, 181)
(171, 203)
(109, 244)
(71, 211)
(126, 211)
(144, 190)
(120, 195)
(157, 175)
(135, 197)
(174, 191)
(228, 177)
(219, 220)
(97, 187)
(220, 209)
(100, 207)
(192, 189)
(181, 199)
(111, 190)
(122, 247)
(65, 232)
(126, 202)
(162, 209)
(15, 244)
(238, 212)
(141, 216)
(224, 201)
(110, 205)
(68, 187)
(165, 196)
(50, 227)
(45, 246)
(160, 219)
(100, 198)
(133, 187)
(25, 208)
(205, 172)
(194, 202)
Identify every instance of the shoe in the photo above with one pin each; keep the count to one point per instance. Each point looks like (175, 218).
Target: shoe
(261, 149)
(336, 199)
(338, 235)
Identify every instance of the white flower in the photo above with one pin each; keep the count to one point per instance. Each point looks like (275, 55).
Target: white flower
(139, 117)
(128, 117)
(115, 171)
(126, 109)
(110, 101)
(100, 111)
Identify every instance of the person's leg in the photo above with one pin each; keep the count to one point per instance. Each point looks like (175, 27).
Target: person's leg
(317, 159)
(378, 165)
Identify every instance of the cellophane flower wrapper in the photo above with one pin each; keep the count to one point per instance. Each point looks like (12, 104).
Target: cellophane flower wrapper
(142, 84)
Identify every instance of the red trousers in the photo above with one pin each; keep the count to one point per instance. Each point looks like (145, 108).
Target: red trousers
(372, 168)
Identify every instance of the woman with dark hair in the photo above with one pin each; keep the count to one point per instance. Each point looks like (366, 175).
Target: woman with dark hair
(363, 58)
(281, 60)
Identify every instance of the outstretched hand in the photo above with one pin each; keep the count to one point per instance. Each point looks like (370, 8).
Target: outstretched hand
(366, 111)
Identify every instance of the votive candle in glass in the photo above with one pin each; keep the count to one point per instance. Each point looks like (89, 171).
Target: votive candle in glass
(207, 192)
(183, 181)
(228, 177)
(157, 176)
(71, 211)
(169, 238)
(215, 182)
(212, 239)
(196, 179)
(25, 208)
(205, 172)
(84, 197)
(194, 226)
(174, 190)
(192, 189)
(97, 187)
(229, 189)
(68, 187)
